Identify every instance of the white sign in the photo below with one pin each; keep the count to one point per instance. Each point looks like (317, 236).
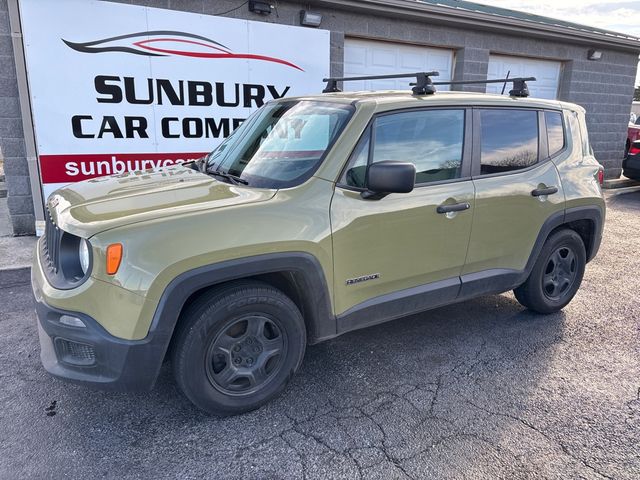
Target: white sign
(118, 87)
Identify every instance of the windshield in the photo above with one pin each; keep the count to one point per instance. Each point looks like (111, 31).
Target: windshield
(282, 144)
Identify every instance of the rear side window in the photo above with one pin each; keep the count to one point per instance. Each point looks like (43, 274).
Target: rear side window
(575, 131)
(555, 132)
(430, 139)
(508, 140)
(586, 147)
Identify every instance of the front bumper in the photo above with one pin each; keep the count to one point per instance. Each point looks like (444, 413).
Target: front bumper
(91, 356)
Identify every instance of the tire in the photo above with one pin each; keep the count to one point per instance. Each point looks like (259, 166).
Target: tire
(223, 357)
(556, 275)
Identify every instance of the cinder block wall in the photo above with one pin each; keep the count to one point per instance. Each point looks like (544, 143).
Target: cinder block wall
(12, 146)
(604, 88)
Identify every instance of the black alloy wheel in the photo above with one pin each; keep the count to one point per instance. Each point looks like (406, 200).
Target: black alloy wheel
(556, 275)
(244, 356)
(560, 273)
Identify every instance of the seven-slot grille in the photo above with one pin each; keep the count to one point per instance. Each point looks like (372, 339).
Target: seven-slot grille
(51, 243)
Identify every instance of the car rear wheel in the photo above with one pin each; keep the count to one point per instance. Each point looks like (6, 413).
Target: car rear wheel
(238, 347)
(556, 275)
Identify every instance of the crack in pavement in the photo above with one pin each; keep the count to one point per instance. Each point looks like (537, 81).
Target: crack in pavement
(529, 425)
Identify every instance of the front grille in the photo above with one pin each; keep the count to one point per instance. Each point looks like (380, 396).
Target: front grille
(51, 244)
(75, 353)
(58, 256)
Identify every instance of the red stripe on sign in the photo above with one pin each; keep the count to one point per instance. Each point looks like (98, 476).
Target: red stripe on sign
(73, 168)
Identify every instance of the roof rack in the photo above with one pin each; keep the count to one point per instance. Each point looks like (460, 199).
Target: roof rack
(424, 86)
(520, 88)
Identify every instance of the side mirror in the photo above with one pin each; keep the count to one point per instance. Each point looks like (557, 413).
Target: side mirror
(389, 177)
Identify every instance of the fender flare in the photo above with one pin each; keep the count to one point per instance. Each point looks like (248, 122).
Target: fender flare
(307, 271)
(588, 212)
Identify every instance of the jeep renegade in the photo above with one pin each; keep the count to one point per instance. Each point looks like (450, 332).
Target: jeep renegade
(317, 216)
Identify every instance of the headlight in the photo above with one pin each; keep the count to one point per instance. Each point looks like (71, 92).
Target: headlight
(83, 255)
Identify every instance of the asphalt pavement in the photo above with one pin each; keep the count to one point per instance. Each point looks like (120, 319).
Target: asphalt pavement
(483, 389)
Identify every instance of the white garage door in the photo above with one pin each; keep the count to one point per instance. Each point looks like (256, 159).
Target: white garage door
(547, 73)
(370, 57)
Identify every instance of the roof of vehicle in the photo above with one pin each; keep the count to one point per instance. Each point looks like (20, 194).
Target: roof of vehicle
(392, 99)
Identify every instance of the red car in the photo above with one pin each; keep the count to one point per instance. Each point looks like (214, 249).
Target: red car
(633, 133)
(631, 162)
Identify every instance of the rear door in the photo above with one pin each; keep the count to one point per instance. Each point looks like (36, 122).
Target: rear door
(402, 242)
(517, 187)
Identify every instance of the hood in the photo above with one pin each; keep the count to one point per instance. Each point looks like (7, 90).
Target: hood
(92, 206)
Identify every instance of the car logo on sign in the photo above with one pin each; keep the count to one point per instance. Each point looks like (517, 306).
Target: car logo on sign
(165, 43)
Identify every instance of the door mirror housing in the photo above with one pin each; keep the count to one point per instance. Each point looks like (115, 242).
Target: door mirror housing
(388, 177)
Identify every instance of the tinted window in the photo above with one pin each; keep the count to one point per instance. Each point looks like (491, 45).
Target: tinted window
(509, 140)
(555, 132)
(575, 131)
(430, 139)
(586, 148)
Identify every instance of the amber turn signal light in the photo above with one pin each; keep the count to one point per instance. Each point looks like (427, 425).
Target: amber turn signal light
(114, 257)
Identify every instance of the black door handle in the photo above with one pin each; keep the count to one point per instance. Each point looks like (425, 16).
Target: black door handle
(456, 207)
(538, 192)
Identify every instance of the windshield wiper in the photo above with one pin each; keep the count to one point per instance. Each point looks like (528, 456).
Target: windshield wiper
(197, 164)
(228, 176)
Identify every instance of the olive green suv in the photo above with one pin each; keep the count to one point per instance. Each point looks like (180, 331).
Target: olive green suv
(319, 215)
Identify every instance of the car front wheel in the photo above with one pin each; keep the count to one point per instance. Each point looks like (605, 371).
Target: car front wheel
(238, 347)
(556, 275)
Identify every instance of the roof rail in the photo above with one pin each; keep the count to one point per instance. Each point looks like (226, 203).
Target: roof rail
(422, 86)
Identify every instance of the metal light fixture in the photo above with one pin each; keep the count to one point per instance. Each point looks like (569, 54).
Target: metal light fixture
(594, 54)
(310, 19)
(262, 8)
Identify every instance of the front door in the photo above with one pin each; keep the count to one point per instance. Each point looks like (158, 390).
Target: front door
(401, 245)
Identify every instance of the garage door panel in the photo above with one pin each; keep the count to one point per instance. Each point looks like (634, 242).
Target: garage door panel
(385, 58)
(357, 56)
(442, 63)
(411, 61)
(547, 73)
(371, 57)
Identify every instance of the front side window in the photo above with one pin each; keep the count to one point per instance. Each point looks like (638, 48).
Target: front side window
(509, 140)
(555, 132)
(430, 139)
(282, 144)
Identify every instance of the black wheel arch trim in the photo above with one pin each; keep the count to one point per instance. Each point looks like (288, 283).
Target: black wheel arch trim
(564, 217)
(309, 277)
